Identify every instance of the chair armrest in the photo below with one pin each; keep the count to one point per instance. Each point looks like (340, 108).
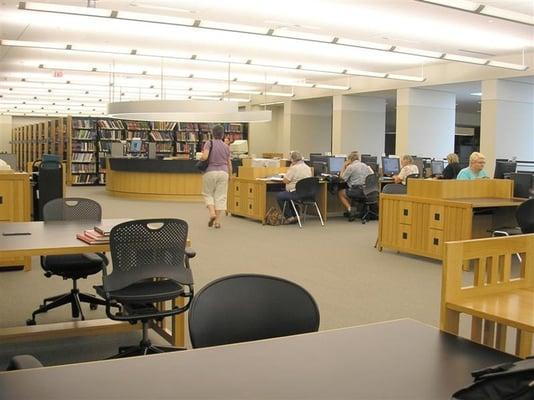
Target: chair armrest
(190, 252)
(23, 362)
(103, 257)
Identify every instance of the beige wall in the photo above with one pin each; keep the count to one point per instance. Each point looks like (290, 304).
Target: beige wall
(6, 125)
(265, 137)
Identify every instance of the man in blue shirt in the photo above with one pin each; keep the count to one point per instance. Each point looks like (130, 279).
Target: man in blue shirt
(477, 161)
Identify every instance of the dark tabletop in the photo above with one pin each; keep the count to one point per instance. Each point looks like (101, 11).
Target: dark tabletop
(401, 359)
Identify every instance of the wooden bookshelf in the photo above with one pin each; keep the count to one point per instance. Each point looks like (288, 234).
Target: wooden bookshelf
(109, 131)
(82, 158)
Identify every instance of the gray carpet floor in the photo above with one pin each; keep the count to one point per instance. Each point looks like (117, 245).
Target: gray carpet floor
(352, 282)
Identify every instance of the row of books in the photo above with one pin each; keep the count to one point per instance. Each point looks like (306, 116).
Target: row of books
(136, 135)
(82, 124)
(110, 124)
(83, 179)
(158, 136)
(138, 125)
(163, 126)
(164, 147)
(83, 168)
(84, 134)
(83, 157)
(83, 146)
(110, 135)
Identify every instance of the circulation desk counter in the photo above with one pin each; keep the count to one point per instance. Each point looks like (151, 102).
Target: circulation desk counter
(177, 180)
(437, 211)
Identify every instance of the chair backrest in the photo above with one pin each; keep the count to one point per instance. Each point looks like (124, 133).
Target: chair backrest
(394, 188)
(241, 308)
(149, 248)
(525, 216)
(413, 176)
(371, 185)
(307, 188)
(72, 209)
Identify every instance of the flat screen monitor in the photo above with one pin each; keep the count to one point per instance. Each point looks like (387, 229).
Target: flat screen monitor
(335, 164)
(135, 146)
(318, 157)
(390, 166)
(504, 167)
(366, 159)
(523, 184)
(437, 167)
(319, 167)
(420, 166)
(373, 166)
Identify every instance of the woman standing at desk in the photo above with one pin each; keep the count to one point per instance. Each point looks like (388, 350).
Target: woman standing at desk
(453, 167)
(477, 161)
(215, 179)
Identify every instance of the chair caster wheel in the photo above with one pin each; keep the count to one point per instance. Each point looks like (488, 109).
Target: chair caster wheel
(30, 322)
(93, 306)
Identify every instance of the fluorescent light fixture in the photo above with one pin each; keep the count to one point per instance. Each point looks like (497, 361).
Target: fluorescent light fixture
(156, 18)
(331, 69)
(465, 59)
(366, 73)
(62, 9)
(460, 4)
(500, 64)
(333, 87)
(295, 83)
(223, 26)
(364, 45)
(279, 94)
(507, 14)
(39, 45)
(274, 64)
(101, 49)
(205, 98)
(256, 92)
(286, 33)
(476, 94)
(236, 99)
(417, 52)
(406, 77)
(272, 103)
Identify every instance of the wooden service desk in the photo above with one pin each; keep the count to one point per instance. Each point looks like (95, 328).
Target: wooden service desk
(177, 180)
(55, 238)
(437, 211)
(401, 359)
(251, 198)
(15, 205)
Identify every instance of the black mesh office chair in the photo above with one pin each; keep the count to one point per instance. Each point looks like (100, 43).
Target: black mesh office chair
(24, 361)
(394, 188)
(370, 203)
(150, 265)
(306, 193)
(412, 176)
(241, 308)
(71, 266)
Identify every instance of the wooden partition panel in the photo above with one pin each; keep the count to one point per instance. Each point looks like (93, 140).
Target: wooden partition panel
(452, 189)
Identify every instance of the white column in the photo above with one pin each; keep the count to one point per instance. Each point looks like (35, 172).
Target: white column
(425, 122)
(266, 137)
(507, 121)
(6, 125)
(358, 123)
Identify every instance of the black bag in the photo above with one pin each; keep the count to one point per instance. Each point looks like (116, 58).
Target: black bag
(202, 165)
(501, 382)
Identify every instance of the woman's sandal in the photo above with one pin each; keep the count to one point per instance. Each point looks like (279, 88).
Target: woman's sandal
(217, 225)
(211, 221)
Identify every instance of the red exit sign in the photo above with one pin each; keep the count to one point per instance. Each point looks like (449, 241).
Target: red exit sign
(58, 74)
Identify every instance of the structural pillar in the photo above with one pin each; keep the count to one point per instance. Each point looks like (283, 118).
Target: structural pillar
(425, 122)
(358, 123)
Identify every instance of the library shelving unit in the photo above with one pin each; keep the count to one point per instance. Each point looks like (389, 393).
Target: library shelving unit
(109, 131)
(82, 161)
(137, 130)
(162, 133)
(234, 131)
(187, 139)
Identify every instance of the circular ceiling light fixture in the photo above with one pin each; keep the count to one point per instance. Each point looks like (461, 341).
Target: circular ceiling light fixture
(185, 110)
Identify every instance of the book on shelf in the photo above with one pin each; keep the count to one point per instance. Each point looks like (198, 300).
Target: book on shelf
(110, 124)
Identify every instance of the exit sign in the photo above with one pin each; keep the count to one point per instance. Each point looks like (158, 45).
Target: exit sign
(58, 74)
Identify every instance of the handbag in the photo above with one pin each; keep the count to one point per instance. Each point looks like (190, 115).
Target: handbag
(202, 165)
(504, 381)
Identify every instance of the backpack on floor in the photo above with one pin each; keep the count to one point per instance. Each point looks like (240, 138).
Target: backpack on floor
(274, 216)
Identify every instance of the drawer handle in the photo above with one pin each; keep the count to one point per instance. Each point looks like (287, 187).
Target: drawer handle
(437, 217)
(436, 241)
(405, 212)
(1, 199)
(404, 235)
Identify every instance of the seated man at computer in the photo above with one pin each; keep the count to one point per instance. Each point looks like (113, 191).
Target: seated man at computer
(298, 170)
(353, 173)
(408, 168)
(477, 161)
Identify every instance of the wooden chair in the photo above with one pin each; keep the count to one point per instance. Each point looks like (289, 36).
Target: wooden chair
(495, 301)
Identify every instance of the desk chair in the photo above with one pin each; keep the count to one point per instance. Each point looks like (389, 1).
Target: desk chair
(412, 176)
(71, 266)
(306, 192)
(525, 221)
(150, 265)
(23, 361)
(394, 188)
(371, 192)
(246, 307)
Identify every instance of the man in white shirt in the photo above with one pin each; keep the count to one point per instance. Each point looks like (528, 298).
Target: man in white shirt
(353, 173)
(408, 168)
(297, 171)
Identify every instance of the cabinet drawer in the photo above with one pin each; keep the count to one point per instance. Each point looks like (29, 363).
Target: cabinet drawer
(252, 207)
(251, 190)
(435, 241)
(237, 205)
(236, 186)
(435, 219)
(6, 204)
(404, 235)
(405, 212)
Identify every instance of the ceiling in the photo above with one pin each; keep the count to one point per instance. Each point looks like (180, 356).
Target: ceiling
(173, 62)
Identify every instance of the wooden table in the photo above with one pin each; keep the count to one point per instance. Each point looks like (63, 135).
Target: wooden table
(55, 238)
(401, 359)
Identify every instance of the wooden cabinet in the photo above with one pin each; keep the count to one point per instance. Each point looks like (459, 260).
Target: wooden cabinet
(15, 207)
(247, 198)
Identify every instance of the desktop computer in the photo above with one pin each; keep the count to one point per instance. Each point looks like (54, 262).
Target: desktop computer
(419, 162)
(437, 167)
(504, 167)
(523, 184)
(367, 158)
(319, 167)
(390, 166)
(335, 164)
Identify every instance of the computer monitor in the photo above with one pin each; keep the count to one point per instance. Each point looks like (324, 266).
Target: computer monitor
(390, 166)
(135, 146)
(437, 167)
(373, 166)
(319, 167)
(367, 158)
(523, 184)
(420, 166)
(318, 157)
(504, 167)
(335, 164)
(239, 146)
